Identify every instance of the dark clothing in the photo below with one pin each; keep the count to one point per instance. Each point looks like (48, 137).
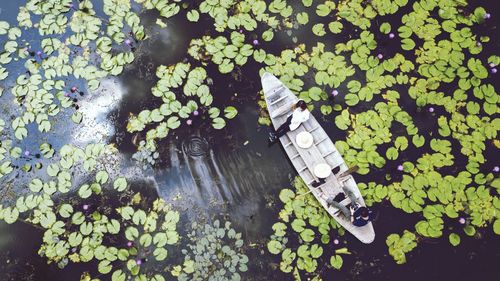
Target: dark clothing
(359, 220)
(331, 202)
(284, 128)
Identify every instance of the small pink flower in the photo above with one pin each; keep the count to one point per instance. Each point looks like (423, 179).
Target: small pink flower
(74, 89)
(391, 35)
(196, 113)
(39, 53)
(492, 65)
(335, 93)
(189, 122)
(138, 262)
(380, 56)
(129, 244)
(26, 153)
(85, 207)
(479, 44)
(400, 168)
(461, 220)
(487, 15)
(493, 70)
(241, 30)
(431, 109)
(128, 42)
(336, 241)
(66, 94)
(496, 169)
(255, 42)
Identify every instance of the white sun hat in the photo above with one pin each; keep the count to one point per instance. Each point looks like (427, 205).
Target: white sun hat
(304, 139)
(322, 170)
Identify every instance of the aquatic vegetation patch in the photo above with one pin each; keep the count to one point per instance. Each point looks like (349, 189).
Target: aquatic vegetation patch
(305, 229)
(435, 54)
(215, 252)
(71, 47)
(414, 98)
(180, 87)
(400, 245)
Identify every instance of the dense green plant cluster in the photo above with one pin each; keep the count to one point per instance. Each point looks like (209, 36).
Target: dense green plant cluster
(86, 229)
(399, 245)
(217, 255)
(303, 219)
(381, 74)
(427, 186)
(77, 45)
(70, 40)
(175, 82)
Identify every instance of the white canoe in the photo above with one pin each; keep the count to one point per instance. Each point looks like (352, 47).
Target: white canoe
(279, 101)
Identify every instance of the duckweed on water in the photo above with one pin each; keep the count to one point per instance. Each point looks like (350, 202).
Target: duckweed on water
(382, 72)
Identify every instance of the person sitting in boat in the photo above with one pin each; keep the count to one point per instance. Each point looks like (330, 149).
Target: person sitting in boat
(300, 114)
(361, 216)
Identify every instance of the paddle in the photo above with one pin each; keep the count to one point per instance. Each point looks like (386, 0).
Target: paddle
(308, 191)
(348, 172)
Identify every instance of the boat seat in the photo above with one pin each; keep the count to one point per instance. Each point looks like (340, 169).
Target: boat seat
(335, 162)
(329, 153)
(275, 91)
(278, 100)
(314, 129)
(287, 108)
(321, 140)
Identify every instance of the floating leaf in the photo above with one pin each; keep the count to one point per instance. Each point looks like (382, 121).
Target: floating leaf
(336, 261)
(120, 184)
(454, 239)
(230, 112)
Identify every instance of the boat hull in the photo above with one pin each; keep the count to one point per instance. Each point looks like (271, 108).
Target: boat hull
(279, 101)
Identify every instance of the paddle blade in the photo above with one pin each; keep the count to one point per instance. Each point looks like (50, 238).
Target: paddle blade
(349, 171)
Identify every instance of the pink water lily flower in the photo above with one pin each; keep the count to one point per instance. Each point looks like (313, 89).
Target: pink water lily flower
(391, 35)
(431, 109)
(189, 122)
(400, 168)
(336, 241)
(496, 169)
(85, 207)
(138, 262)
(196, 113)
(335, 93)
(487, 15)
(129, 244)
(27, 153)
(128, 41)
(74, 89)
(255, 42)
(461, 220)
(380, 56)
(492, 65)
(493, 70)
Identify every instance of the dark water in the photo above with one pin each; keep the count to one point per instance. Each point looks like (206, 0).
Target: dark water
(232, 174)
